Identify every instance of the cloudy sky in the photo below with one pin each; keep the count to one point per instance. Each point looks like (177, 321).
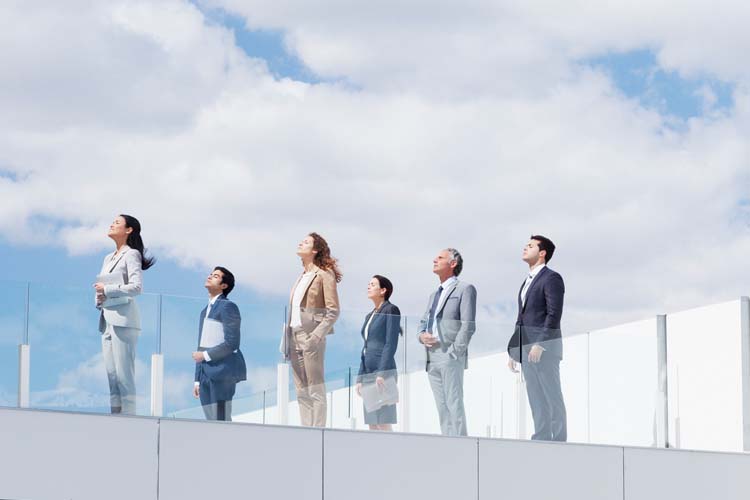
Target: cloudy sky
(231, 128)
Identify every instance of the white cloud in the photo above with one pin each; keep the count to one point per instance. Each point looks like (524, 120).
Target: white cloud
(473, 127)
(497, 48)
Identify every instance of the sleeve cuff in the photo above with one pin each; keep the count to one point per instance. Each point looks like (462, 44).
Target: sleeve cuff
(197, 384)
(206, 356)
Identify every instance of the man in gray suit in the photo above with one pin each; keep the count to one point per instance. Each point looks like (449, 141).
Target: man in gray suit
(445, 331)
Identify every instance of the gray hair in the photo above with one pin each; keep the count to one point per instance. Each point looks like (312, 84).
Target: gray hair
(455, 255)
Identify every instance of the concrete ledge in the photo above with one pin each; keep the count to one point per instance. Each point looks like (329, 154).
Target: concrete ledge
(58, 455)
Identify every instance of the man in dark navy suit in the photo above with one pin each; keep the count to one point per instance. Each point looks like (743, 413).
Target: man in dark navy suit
(540, 305)
(219, 361)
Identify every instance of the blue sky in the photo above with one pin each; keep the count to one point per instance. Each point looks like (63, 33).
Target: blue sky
(638, 75)
(332, 141)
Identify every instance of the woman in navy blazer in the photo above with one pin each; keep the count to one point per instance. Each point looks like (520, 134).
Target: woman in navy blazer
(380, 333)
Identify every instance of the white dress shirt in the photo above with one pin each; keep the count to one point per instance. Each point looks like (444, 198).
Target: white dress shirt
(208, 310)
(299, 293)
(532, 274)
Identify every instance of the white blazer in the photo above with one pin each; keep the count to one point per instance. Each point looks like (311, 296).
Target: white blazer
(128, 263)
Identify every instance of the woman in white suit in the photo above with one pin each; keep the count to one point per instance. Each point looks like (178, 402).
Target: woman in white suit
(120, 320)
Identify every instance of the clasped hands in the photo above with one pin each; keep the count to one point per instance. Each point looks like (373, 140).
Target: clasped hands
(100, 297)
(428, 339)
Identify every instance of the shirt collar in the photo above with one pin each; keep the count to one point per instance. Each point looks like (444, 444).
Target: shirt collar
(449, 282)
(212, 301)
(536, 270)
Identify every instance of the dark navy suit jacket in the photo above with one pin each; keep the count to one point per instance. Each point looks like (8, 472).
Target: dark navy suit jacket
(227, 365)
(379, 351)
(539, 318)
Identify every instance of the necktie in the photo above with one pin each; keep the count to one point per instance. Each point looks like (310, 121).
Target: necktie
(434, 308)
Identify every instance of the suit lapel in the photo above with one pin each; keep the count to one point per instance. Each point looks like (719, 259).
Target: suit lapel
(447, 296)
(111, 265)
(316, 269)
(200, 324)
(534, 282)
(367, 318)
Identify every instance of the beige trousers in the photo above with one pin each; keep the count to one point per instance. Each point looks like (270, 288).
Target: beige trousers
(309, 379)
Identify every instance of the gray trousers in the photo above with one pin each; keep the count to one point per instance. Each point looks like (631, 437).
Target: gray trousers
(118, 347)
(446, 377)
(546, 398)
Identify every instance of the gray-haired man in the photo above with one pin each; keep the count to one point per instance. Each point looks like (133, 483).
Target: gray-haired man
(445, 331)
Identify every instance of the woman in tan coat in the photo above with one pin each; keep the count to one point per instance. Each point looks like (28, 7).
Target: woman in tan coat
(313, 309)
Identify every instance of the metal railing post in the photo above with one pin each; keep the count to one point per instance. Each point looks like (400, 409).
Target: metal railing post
(662, 399)
(745, 346)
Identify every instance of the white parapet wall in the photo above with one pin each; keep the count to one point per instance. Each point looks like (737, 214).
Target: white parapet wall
(55, 455)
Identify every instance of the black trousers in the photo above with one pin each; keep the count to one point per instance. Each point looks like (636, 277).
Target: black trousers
(545, 398)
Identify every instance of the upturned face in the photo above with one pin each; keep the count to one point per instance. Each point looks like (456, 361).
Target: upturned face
(118, 228)
(531, 253)
(374, 291)
(443, 264)
(305, 247)
(214, 282)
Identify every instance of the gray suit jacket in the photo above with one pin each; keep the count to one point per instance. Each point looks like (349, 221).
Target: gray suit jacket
(455, 318)
(128, 263)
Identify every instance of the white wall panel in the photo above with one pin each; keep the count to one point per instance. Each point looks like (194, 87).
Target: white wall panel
(200, 460)
(685, 475)
(55, 455)
(535, 470)
(379, 465)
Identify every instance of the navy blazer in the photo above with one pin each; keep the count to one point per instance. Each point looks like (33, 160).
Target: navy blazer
(379, 351)
(538, 319)
(227, 364)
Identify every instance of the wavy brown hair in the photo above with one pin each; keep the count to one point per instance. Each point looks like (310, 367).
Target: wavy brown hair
(323, 257)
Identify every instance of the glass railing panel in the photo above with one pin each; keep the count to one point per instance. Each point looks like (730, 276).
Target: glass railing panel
(179, 339)
(260, 335)
(574, 382)
(340, 398)
(705, 376)
(483, 375)
(252, 409)
(262, 326)
(623, 384)
(418, 413)
(488, 383)
(68, 369)
(12, 333)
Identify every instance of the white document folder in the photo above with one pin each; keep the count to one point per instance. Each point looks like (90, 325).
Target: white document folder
(375, 398)
(112, 279)
(212, 334)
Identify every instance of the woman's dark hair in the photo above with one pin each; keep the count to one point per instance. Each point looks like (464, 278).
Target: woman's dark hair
(323, 257)
(227, 278)
(135, 241)
(385, 283)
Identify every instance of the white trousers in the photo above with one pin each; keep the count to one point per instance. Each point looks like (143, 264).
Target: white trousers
(118, 347)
